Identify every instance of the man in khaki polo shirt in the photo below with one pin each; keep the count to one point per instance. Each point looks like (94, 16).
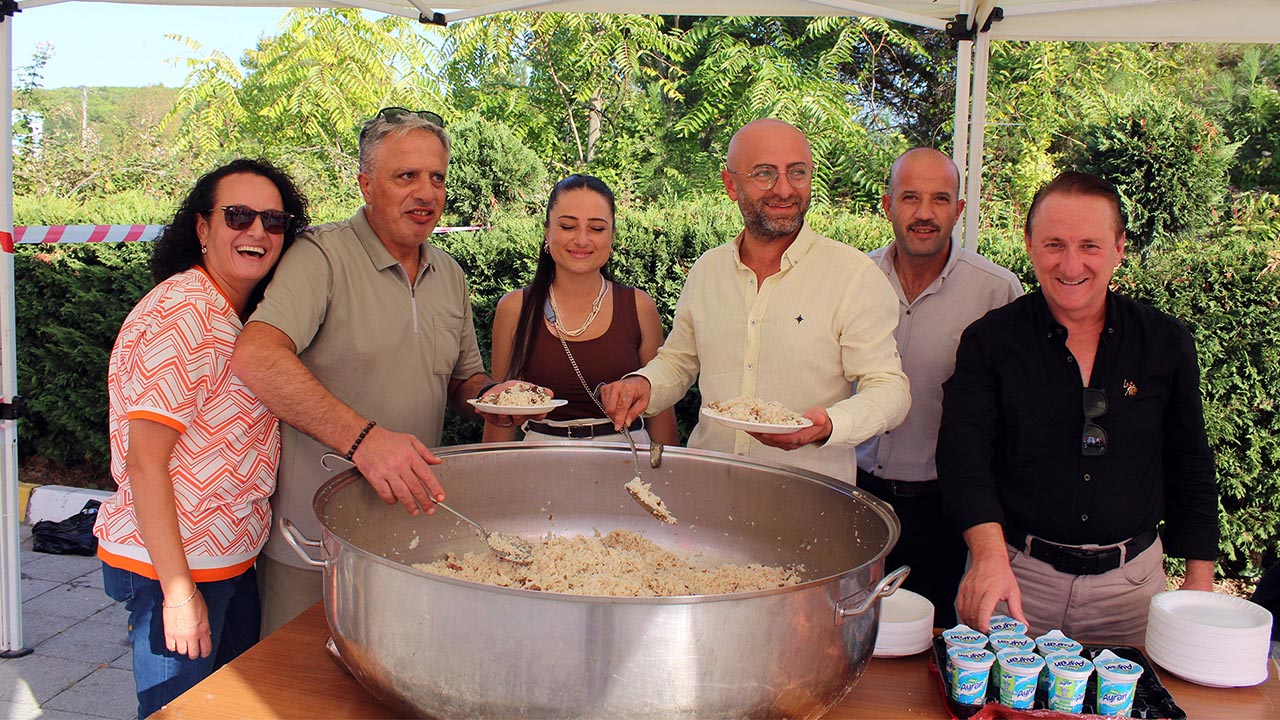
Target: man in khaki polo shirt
(364, 333)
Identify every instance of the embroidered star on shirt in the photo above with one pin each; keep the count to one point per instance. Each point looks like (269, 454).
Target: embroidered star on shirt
(799, 319)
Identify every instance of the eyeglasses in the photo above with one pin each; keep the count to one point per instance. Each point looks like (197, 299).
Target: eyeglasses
(1093, 441)
(239, 217)
(766, 177)
(393, 114)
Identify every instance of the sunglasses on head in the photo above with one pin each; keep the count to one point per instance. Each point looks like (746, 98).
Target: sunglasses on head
(239, 217)
(394, 114)
(1093, 441)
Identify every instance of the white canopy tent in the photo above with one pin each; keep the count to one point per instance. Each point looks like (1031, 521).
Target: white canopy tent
(974, 22)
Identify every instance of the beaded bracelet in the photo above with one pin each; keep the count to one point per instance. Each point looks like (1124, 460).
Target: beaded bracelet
(190, 597)
(352, 452)
(485, 389)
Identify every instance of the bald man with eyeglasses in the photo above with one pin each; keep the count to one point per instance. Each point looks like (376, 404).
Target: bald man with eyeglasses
(1071, 428)
(364, 335)
(783, 314)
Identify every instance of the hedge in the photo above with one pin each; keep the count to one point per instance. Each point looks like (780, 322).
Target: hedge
(1224, 287)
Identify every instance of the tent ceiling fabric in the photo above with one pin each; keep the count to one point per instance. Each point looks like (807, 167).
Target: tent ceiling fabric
(1111, 20)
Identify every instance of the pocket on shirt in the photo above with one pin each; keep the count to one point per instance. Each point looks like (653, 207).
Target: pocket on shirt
(446, 341)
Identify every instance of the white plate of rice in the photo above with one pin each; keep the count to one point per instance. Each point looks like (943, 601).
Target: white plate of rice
(496, 409)
(524, 399)
(755, 415)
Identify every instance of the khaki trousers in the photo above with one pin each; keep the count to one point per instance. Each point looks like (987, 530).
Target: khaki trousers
(1110, 608)
(286, 591)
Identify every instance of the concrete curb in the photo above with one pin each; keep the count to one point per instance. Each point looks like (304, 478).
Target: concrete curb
(55, 502)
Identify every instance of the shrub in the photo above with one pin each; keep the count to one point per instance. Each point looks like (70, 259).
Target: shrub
(1168, 160)
(490, 168)
(1225, 287)
(71, 301)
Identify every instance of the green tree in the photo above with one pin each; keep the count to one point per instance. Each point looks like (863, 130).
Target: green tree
(576, 71)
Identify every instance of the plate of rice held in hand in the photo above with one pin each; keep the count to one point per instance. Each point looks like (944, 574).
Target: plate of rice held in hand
(525, 399)
(767, 417)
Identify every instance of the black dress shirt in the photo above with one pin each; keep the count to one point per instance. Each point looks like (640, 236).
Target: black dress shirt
(1009, 447)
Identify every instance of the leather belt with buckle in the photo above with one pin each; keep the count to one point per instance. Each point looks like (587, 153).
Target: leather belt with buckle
(896, 488)
(581, 432)
(1079, 561)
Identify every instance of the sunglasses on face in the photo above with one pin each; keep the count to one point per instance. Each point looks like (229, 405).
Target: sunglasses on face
(239, 217)
(1093, 440)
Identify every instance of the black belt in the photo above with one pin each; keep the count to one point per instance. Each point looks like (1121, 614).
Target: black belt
(1076, 561)
(896, 488)
(584, 432)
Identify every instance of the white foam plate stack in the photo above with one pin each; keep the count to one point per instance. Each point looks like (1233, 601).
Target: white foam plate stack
(1209, 638)
(906, 625)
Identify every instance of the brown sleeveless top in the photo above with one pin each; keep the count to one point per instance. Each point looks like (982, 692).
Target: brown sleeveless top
(603, 359)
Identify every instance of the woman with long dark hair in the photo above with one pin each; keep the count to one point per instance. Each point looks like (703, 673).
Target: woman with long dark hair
(573, 327)
(193, 451)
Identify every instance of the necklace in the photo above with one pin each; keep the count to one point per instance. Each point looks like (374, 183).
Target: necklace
(595, 310)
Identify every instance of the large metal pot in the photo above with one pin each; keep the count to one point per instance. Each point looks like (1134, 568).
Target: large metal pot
(436, 646)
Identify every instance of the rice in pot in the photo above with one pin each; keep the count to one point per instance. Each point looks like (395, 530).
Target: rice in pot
(621, 564)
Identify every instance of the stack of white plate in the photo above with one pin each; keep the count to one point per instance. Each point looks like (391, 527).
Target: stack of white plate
(1209, 638)
(906, 625)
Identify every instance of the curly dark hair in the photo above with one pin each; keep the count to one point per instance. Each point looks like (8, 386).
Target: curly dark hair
(178, 248)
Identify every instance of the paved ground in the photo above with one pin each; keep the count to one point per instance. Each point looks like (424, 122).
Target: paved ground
(81, 667)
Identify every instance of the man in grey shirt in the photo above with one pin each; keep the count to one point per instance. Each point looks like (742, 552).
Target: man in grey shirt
(941, 288)
(363, 336)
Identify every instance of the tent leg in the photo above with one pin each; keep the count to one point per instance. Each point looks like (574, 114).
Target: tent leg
(10, 559)
(977, 132)
(960, 135)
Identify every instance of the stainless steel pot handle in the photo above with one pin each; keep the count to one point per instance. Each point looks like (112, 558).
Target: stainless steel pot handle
(296, 540)
(886, 587)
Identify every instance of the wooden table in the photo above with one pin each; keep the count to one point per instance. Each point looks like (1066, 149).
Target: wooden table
(290, 675)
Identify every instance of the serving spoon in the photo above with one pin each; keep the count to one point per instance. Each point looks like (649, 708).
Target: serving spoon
(641, 491)
(511, 548)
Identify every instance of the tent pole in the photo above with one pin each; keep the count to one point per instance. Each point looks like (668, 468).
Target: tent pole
(960, 135)
(977, 131)
(10, 559)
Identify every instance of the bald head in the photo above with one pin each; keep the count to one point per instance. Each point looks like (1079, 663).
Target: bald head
(764, 132)
(923, 204)
(768, 172)
(923, 157)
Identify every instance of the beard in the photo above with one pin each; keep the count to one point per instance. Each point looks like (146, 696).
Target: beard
(763, 227)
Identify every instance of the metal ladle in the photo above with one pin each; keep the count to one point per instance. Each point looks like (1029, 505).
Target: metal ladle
(511, 548)
(640, 490)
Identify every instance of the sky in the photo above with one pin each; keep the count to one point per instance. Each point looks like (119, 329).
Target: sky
(98, 44)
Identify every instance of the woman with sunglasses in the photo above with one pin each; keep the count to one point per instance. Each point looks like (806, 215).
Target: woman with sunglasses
(193, 452)
(574, 328)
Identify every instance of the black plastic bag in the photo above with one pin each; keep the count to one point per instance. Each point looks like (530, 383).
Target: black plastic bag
(73, 536)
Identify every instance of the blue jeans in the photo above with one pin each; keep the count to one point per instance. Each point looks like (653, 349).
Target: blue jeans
(160, 675)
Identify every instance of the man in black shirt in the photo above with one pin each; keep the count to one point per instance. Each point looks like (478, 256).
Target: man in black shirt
(1072, 426)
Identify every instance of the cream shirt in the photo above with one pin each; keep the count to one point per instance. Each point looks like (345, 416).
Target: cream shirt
(928, 332)
(818, 333)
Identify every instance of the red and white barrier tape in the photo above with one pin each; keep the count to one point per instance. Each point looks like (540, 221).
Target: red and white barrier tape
(112, 233)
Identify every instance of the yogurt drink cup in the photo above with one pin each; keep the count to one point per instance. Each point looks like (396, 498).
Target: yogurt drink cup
(1068, 680)
(1008, 640)
(1054, 642)
(972, 672)
(1019, 674)
(1004, 623)
(1043, 688)
(961, 636)
(1117, 679)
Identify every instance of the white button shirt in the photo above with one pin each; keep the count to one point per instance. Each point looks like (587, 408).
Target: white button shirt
(818, 333)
